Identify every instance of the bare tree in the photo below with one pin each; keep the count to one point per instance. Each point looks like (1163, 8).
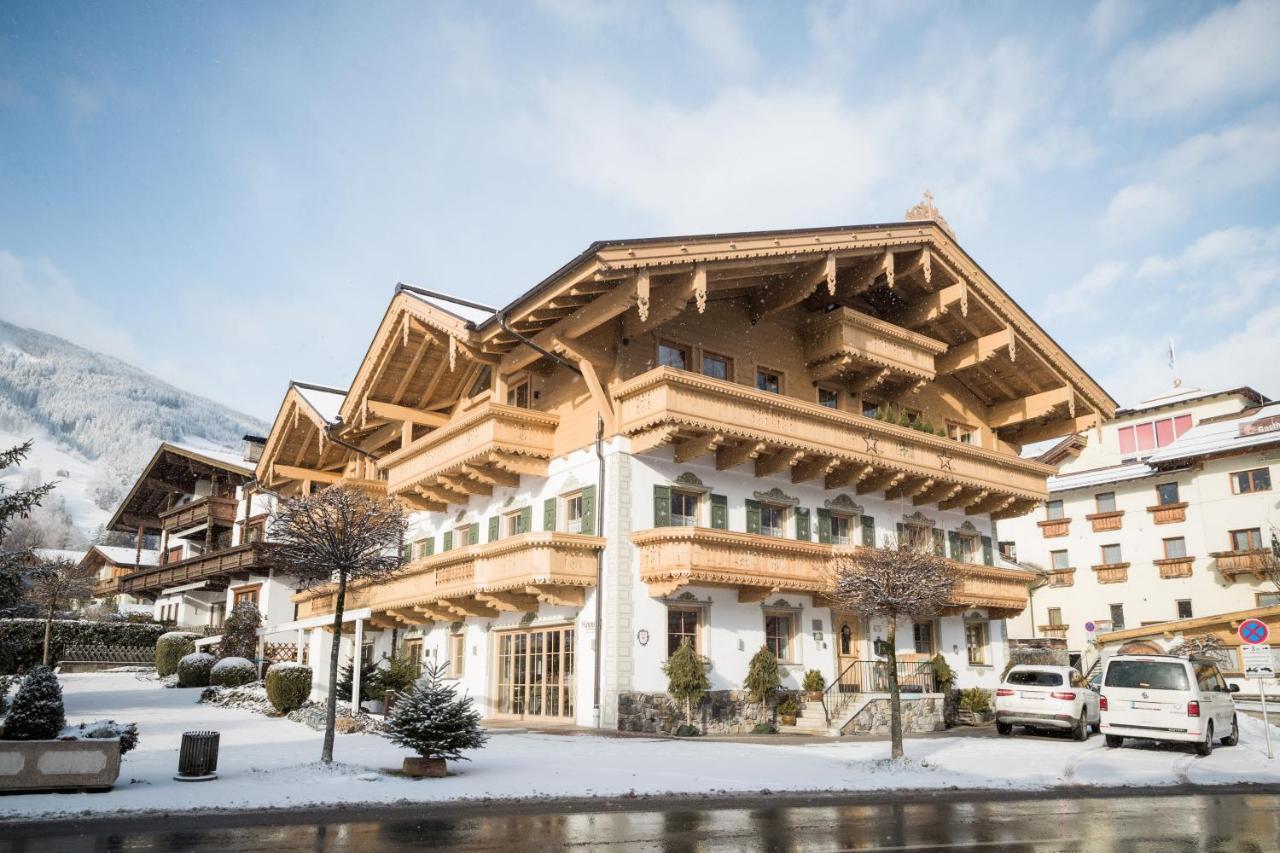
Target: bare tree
(14, 507)
(892, 582)
(336, 537)
(55, 583)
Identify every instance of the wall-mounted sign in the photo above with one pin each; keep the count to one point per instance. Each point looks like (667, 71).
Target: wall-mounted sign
(642, 636)
(1261, 425)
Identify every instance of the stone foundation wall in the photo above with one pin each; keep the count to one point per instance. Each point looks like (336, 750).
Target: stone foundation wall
(923, 714)
(721, 712)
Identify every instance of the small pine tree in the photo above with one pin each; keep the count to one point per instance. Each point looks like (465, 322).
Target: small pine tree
(370, 678)
(36, 712)
(240, 632)
(686, 678)
(433, 721)
(763, 678)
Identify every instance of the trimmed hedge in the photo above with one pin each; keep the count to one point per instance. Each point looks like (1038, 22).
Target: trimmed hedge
(171, 648)
(288, 686)
(193, 670)
(233, 672)
(22, 640)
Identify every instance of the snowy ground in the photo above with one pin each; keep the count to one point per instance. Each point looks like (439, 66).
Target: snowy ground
(268, 762)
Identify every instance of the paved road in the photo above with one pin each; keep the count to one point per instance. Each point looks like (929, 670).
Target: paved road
(1180, 823)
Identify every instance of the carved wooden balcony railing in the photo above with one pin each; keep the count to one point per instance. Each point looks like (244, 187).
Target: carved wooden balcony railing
(490, 445)
(1111, 572)
(1062, 577)
(1175, 567)
(1054, 632)
(1104, 521)
(845, 341)
(782, 436)
(218, 511)
(215, 566)
(513, 574)
(1052, 528)
(1168, 513)
(1255, 562)
(760, 566)
(106, 587)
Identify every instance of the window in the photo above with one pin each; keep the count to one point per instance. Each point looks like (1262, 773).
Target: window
(255, 530)
(1208, 679)
(466, 534)
(457, 655)
(682, 626)
(773, 520)
(1148, 436)
(778, 631)
(515, 523)
(1117, 617)
(248, 593)
(870, 409)
(922, 634)
(1053, 510)
(1055, 615)
(1111, 555)
(962, 433)
(1267, 599)
(1246, 540)
(684, 509)
(975, 643)
(717, 366)
(768, 380)
(173, 555)
(1175, 546)
(217, 613)
(1147, 675)
(1247, 482)
(1167, 493)
(1059, 560)
(1105, 501)
(518, 394)
(1009, 550)
(966, 549)
(412, 652)
(917, 537)
(1034, 678)
(573, 513)
(1184, 608)
(841, 529)
(673, 355)
(829, 397)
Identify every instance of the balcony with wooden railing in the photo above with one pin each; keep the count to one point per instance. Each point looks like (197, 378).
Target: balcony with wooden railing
(782, 436)
(490, 445)
(1175, 567)
(1111, 572)
(1252, 562)
(761, 566)
(1052, 528)
(216, 567)
(1104, 521)
(845, 340)
(514, 574)
(218, 511)
(1168, 513)
(1062, 577)
(106, 587)
(1054, 632)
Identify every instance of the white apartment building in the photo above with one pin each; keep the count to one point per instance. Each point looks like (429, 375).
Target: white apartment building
(1167, 512)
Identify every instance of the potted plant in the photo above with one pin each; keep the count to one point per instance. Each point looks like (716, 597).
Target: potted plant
(435, 723)
(814, 684)
(686, 683)
(788, 709)
(975, 707)
(762, 682)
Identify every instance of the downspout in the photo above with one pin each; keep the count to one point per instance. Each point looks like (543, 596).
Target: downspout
(500, 317)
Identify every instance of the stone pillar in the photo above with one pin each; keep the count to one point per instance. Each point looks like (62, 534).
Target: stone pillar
(619, 585)
(355, 666)
(302, 634)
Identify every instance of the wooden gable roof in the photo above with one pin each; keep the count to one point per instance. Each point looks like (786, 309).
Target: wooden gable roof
(173, 470)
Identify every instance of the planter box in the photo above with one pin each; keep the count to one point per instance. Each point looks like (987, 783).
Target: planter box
(50, 765)
(1054, 527)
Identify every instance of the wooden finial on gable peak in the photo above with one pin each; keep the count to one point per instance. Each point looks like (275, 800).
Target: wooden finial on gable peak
(925, 209)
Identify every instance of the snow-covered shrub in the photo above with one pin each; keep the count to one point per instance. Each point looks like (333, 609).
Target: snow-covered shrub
(171, 648)
(193, 670)
(233, 672)
(5, 683)
(433, 721)
(288, 685)
(36, 713)
(240, 631)
(975, 699)
(103, 729)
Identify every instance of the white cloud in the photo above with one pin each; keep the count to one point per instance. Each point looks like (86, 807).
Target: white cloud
(1143, 208)
(592, 16)
(1225, 271)
(1111, 19)
(1227, 56)
(715, 29)
(1082, 297)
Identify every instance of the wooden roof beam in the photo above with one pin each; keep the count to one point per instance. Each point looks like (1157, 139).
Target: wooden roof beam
(1028, 408)
(936, 494)
(881, 482)
(814, 467)
(783, 294)
(1054, 429)
(933, 306)
(418, 503)
(464, 485)
(403, 385)
(394, 412)
(688, 449)
(731, 456)
(973, 352)
(767, 466)
(964, 499)
(669, 303)
(293, 472)
(846, 474)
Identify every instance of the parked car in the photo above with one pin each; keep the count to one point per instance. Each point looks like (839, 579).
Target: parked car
(1167, 698)
(1046, 697)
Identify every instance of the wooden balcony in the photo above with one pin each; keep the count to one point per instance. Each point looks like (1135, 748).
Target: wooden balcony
(1062, 577)
(220, 512)
(1255, 562)
(1168, 513)
(216, 567)
(491, 445)
(513, 574)
(761, 566)
(782, 436)
(1104, 521)
(1052, 528)
(1111, 572)
(1175, 567)
(106, 587)
(844, 342)
(1054, 632)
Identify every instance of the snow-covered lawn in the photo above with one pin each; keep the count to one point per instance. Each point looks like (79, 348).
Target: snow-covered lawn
(273, 762)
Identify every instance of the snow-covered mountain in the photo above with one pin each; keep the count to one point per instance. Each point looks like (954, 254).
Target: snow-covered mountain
(95, 420)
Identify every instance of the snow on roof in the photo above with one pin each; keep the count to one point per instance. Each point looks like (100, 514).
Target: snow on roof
(326, 401)
(465, 313)
(55, 554)
(221, 455)
(1099, 476)
(1186, 394)
(125, 556)
(1252, 428)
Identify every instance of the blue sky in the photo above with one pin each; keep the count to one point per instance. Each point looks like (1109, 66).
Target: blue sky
(225, 194)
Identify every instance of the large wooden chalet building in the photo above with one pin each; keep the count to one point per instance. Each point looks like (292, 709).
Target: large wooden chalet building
(666, 440)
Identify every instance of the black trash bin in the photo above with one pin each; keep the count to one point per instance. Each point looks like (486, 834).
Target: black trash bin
(198, 757)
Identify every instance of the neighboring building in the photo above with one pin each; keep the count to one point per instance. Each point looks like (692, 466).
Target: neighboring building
(668, 440)
(109, 564)
(1167, 513)
(202, 507)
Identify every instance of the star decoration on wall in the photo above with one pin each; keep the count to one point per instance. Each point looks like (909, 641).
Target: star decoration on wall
(872, 443)
(944, 461)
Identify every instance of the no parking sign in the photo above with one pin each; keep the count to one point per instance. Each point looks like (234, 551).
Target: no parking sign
(1253, 632)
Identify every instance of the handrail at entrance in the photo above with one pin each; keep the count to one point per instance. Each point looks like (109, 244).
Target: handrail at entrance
(872, 676)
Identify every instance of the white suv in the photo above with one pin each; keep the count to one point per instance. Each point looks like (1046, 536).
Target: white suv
(1162, 697)
(1046, 697)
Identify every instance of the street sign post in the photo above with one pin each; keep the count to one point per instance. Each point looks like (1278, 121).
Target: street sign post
(1253, 632)
(1259, 664)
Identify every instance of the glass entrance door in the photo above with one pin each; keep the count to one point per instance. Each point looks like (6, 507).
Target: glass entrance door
(535, 673)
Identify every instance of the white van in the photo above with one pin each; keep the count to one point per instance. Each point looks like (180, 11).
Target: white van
(1163, 697)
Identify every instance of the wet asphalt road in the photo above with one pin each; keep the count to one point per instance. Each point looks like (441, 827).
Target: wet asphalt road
(1180, 823)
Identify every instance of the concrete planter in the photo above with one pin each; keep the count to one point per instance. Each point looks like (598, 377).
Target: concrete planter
(50, 765)
(433, 768)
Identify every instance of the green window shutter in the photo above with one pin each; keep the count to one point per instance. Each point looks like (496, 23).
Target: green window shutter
(589, 510)
(953, 544)
(473, 534)
(448, 541)
(939, 543)
(429, 546)
(406, 552)
(802, 523)
(719, 512)
(661, 506)
(901, 534)
(753, 516)
(987, 556)
(549, 514)
(493, 528)
(524, 522)
(824, 526)
(868, 531)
